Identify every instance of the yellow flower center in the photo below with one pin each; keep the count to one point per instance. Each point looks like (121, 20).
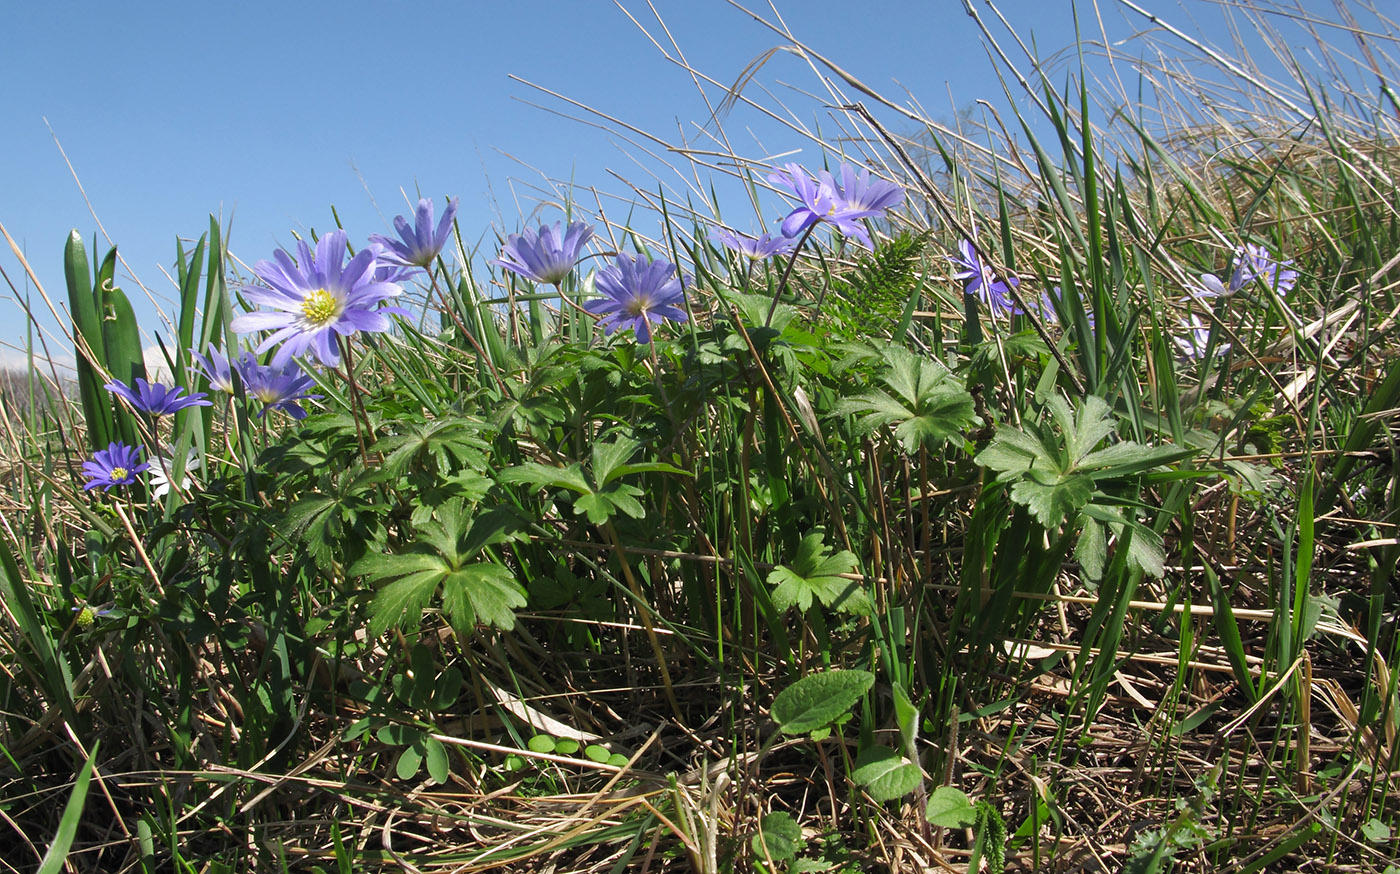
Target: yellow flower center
(319, 307)
(86, 617)
(120, 473)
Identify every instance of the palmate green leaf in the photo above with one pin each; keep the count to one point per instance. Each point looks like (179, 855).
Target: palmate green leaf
(534, 473)
(928, 408)
(481, 593)
(608, 457)
(403, 601)
(1012, 453)
(813, 574)
(1052, 499)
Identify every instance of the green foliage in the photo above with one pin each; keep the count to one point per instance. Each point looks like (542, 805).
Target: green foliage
(452, 556)
(815, 574)
(949, 807)
(1055, 470)
(928, 408)
(817, 700)
(886, 774)
(779, 838)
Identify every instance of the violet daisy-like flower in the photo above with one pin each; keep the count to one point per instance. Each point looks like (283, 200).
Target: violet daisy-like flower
(979, 280)
(219, 370)
(862, 197)
(116, 465)
(758, 249)
(638, 293)
(156, 399)
(317, 299)
(419, 244)
(1191, 346)
(279, 388)
(819, 197)
(1257, 263)
(546, 256)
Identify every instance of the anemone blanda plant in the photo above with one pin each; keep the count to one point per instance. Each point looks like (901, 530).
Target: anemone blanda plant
(753, 248)
(545, 256)
(638, 293)
(219, 370)
(1191, 344)
(842, 204)
(981, 282)
(1251, 262)
(279, 388)
(316, 299)
(419, 243)
(117, 465)
(154, 398)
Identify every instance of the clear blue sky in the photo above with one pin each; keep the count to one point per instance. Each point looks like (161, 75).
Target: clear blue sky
(272, 113)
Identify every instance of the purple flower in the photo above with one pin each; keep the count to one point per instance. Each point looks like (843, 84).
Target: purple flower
(756, 249)
(420, 243)
(156, 399)
(548, 256)
(114, 466)
(1191, 346)
(317, 300)
(819, 198)
(862, 197)
(843, 205)
(1257, 263)
(1251, 262)
(219, 370)
(979, 280)
(279, 388)
(638, 293)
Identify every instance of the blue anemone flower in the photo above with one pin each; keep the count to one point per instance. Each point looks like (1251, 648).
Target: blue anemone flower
(419, 244)
(279, 388)
(979, 280)
(758, 249)
(546, 256)
(114, 466)
(156, 399)
(317, 299)
(638, 293)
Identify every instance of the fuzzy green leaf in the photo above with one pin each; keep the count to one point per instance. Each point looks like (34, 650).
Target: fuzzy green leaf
(886, 774)
(818, 700)
(779, 837)
(949, 807)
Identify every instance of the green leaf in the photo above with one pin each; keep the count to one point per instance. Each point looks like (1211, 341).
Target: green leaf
(57, 853)
(541, 743)
(813, 574)
(949, 807)
(817, 700)
(886, 774)
(779, 837)
(1375, 831)
(928, 408)
(608, 457)
(409, 761)
(485, 593)
(435, 754)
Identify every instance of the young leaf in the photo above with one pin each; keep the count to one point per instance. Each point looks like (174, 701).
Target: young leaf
(886, 774)
(779, 837)
(819, 699)
(949, 807)
(814, 573)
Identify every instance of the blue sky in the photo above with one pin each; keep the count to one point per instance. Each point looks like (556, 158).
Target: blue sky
(270, 114)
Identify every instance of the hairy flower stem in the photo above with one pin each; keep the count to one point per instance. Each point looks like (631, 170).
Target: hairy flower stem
(462, 327)
(787, 271)
(642, 613)
(357, 405)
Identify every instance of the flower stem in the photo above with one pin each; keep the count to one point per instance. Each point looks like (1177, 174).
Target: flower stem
(357, 406)
(787, 271)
